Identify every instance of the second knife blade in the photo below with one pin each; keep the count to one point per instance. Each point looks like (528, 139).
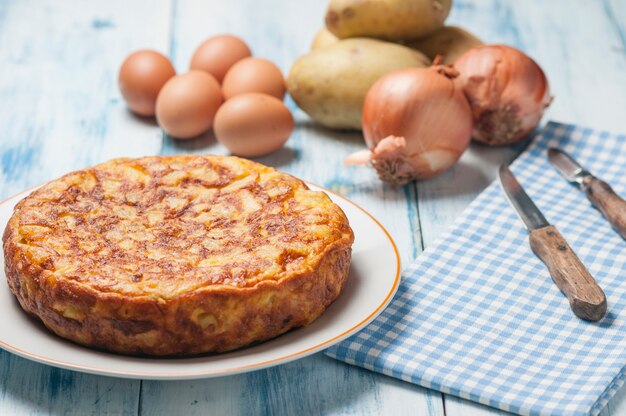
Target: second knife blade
(599, 193)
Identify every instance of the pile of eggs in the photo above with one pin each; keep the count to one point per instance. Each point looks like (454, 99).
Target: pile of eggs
(239, 96)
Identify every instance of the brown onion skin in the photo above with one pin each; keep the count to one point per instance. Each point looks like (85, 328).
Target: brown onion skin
(435, 122)
(507, 90)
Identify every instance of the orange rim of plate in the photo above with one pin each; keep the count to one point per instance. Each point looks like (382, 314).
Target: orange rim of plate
(234, 370)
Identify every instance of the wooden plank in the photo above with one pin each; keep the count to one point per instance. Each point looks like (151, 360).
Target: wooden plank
(61, 110)
(317, 385)
(585, 95)
(60, 103)
(281, 31)
(27, 387)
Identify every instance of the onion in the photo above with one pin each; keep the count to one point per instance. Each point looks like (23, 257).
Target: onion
(507, 90)
(416, 124)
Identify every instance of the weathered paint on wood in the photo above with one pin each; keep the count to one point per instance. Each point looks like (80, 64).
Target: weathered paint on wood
(29, 388)
(313, 386)
(60, 110)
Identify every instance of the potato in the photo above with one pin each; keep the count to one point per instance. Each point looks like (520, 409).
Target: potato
(386, 19)
(330, 83)
(449, 42)
(323, 38)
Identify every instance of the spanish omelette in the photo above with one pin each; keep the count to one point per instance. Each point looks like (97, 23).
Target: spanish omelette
(176, 255)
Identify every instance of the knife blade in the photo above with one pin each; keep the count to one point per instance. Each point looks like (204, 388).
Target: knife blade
(599, 193)
(586, 298)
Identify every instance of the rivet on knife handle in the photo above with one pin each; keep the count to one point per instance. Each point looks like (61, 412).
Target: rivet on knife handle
(586, 298)
(612, 206)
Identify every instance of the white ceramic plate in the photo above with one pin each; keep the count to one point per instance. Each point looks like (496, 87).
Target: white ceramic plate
(374, 278)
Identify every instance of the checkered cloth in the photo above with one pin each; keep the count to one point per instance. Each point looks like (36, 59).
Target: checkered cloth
(478, 316)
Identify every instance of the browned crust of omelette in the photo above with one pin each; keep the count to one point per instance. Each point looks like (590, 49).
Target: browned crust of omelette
(176, 255)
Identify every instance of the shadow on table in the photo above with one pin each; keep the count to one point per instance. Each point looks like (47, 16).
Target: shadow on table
(461, 180)
(33, 388)
(313, 385)
(146, 120)
(346, 137)
(456, 405)
(280, 158)
(205, 143)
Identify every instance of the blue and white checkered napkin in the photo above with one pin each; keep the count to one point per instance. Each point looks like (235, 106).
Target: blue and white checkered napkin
(478, 316)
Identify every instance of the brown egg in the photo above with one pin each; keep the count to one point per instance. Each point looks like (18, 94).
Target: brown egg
(254, 75)
(187, 104)
(253, 124)
(141, 77)
(217, 54)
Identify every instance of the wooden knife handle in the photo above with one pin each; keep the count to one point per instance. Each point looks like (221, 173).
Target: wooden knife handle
(612, 206)
(586, 298)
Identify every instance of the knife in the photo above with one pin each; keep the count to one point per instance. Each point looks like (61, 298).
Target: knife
(600, 193)
(586, 298)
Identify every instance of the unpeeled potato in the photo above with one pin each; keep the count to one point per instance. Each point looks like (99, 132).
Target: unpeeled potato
(386, 19)
(330, 83)
(323, 39)
(449, 42)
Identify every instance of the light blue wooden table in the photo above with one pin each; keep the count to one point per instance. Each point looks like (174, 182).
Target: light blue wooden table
(60, 110)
